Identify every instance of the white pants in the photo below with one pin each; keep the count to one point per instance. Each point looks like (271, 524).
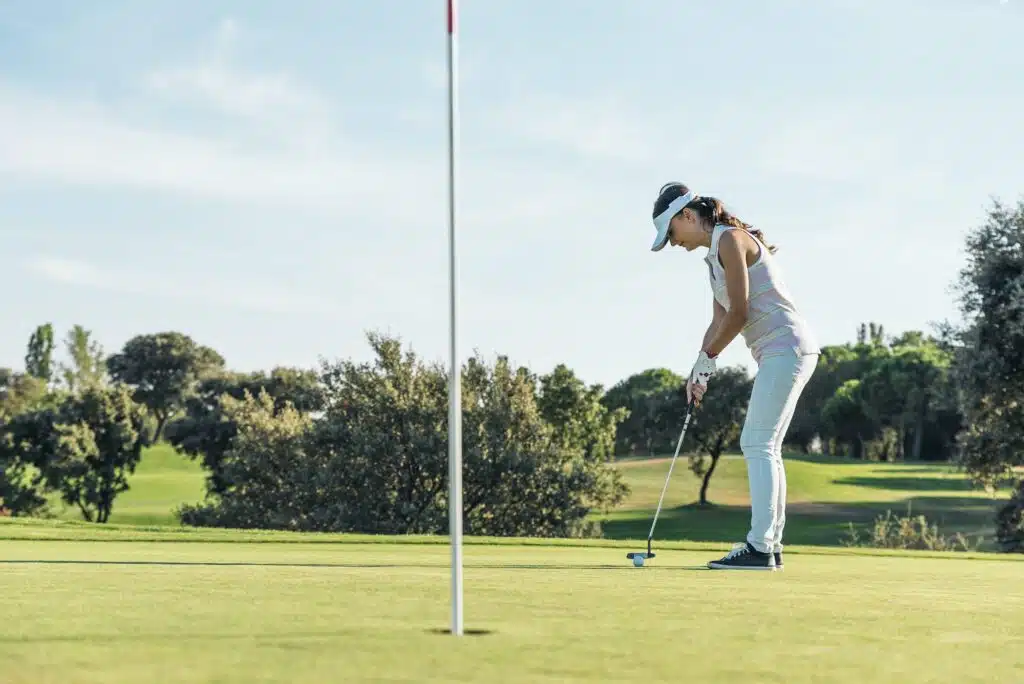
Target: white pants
(780, 380)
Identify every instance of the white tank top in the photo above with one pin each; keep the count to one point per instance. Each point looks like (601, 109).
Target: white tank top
(773, 323)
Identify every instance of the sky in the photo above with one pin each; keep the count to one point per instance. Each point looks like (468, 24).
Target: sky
(271, 178)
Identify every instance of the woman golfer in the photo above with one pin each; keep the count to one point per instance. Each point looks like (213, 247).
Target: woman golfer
(751, 299)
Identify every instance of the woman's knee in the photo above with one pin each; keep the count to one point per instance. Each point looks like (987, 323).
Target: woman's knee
(757, 443)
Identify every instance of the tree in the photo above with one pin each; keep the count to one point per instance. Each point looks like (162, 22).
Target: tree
(1010, 522)
(837, 364)
(845, 419)
(832, 370)
(576, 413)
(376, 460)
(98, 437)
(21, 490)
(19, 392)
(86, 367)
(904, 391)
(645, 396)
(39, 359)
(22, 487)
(83, 447)
(527, 475)
(871, 334)
(989, 360)
(275, 477)
(584, 432)
(716, 424)
(205, 430)
(164, 370)
(21, 484)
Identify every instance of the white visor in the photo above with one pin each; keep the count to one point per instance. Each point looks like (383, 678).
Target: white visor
(662, 220)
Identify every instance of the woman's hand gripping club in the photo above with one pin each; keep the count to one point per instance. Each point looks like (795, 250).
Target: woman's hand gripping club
(700, 375)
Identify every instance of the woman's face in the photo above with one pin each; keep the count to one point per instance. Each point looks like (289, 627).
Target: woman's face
(685, 230)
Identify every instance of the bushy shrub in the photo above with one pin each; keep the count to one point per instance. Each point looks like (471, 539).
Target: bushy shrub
(889, 531)
(1010, 522)
(536, 453)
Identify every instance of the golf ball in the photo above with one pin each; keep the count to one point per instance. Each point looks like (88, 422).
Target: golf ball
(638, 560)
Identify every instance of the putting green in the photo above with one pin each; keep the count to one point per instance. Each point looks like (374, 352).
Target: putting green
(184, 611)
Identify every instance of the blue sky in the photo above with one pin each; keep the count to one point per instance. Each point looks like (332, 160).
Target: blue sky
(270, 177)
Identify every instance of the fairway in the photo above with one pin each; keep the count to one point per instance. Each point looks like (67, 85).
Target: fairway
(115, 612)
(143, 599)
(824, 496)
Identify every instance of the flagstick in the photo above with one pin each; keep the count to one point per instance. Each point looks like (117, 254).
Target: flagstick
(454, 385)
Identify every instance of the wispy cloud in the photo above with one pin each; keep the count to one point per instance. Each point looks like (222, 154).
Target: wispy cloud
(85, 144)
(299, 159)
(90, 145)
(601, 126)
(273, 100)
(234, 294)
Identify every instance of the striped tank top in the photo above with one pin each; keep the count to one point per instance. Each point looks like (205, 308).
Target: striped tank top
(773, 324)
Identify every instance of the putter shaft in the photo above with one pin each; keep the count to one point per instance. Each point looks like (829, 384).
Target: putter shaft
(661, 499)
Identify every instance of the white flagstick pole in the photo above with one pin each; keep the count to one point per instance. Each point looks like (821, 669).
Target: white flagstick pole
(454, 385)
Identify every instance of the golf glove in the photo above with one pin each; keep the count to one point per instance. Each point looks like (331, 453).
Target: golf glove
(703, 369)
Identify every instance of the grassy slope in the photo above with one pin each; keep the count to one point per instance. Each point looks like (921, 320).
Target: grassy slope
(163, 481)
(824, 495)
(185, 612)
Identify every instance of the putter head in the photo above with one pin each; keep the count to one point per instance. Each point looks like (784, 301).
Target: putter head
(642, 554)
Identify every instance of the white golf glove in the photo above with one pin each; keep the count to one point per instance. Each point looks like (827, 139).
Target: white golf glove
(703, 369)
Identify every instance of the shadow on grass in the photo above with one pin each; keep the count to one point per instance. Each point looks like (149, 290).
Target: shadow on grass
(813, 524)
(900, 483)
(213, 564)
(440, 565)
(267, 639)
(938, 468)
(276, 639)
(915, 467)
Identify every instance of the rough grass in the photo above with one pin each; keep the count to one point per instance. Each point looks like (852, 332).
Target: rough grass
(209, 611)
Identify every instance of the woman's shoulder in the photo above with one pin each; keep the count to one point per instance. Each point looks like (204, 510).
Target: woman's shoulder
(735, 234)
(735, 239)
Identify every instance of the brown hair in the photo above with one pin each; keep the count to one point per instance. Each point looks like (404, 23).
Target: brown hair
(713, 211)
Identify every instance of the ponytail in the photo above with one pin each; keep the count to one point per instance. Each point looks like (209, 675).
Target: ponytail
(713, 211)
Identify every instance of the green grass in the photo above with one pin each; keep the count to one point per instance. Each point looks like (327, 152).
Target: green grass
(143, 599)
(824, 495)
(202, 610)
(163, 480)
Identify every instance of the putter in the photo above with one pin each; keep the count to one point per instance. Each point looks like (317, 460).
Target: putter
(638, 557)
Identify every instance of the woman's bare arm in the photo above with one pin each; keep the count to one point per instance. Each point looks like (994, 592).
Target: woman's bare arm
(717, 314)
(733, 253)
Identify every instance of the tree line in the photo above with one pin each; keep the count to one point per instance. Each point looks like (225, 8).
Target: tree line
(344, 447)
(879, 398)
(363, 446)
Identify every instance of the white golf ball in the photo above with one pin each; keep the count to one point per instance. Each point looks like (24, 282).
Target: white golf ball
(638, 560)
